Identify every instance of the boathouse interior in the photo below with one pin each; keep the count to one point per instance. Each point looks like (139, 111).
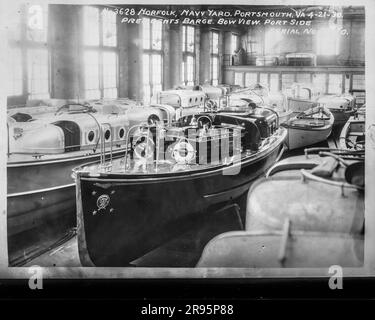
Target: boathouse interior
(89, 52)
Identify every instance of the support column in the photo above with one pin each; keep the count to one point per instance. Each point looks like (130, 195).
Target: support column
(204, 57)
(65, 39)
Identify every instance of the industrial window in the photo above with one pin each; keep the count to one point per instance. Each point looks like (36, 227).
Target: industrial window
(92, 90)
(335, 83)
(287, 79)
(263, 78)
(319, 83)
(215, 58)
(238, 78)
(100, 56)
(152, 75)
(188, 53)
(29, 53)
(303, 77)
(251, 78)
(359, 82)
(327, 41)
(274, 82)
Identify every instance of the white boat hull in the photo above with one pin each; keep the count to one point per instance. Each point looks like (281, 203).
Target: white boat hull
(298, 138)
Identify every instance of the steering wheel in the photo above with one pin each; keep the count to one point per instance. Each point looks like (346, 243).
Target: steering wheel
(85, 108)
(211, 105)
(153, 119)
(204, 122)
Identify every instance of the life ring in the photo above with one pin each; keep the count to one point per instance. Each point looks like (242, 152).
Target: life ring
(183, 152)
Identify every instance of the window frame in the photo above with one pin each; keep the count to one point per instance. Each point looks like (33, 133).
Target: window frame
(214, 55)
(150, 52)
(25, 45)
(101, 49)
(186, 54)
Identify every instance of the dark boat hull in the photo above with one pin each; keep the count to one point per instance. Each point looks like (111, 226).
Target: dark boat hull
(41, 191)
(141, 214)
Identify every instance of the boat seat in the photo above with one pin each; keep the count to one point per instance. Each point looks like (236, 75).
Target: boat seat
(357, 134)
(246, 249)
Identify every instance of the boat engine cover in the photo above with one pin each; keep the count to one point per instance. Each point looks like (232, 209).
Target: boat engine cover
(47, 139)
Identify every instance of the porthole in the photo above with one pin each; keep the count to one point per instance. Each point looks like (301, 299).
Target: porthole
(196, 99)
(201, 99)
(121, 133)
(107, 134)
(91, 136)
(190, 100)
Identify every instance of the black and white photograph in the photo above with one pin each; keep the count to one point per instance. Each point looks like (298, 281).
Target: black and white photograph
(187, 140)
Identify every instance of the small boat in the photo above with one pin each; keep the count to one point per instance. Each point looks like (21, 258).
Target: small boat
(262, 96)
(42, 152)
(301, 97)
(130, 205)
(342, 106)
(354, 132)
(308, 127)
(307, 213)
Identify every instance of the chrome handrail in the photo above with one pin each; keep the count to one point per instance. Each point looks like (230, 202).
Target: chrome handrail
(102, 145)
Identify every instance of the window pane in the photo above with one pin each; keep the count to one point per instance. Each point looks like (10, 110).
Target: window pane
(183, 75)
(156, 89)
(263, 78)
(215, 73)
(238, 79)
(359, 82)
(146, 69)
(146, 94)
(190, 69)
(156, 69)
(91, 26)
(183, 38)
(287, 80)
(215, 43)
(303, 78)
(335, 83)
(250, 79)
(15, 68)
(110, 74)
(319, 83)
(156, 34)
(109, 28)
(274, 82)
(146, 33)
(190, 39)
(37, 17)
(38, 77)
(234, 39)
(91, 61)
